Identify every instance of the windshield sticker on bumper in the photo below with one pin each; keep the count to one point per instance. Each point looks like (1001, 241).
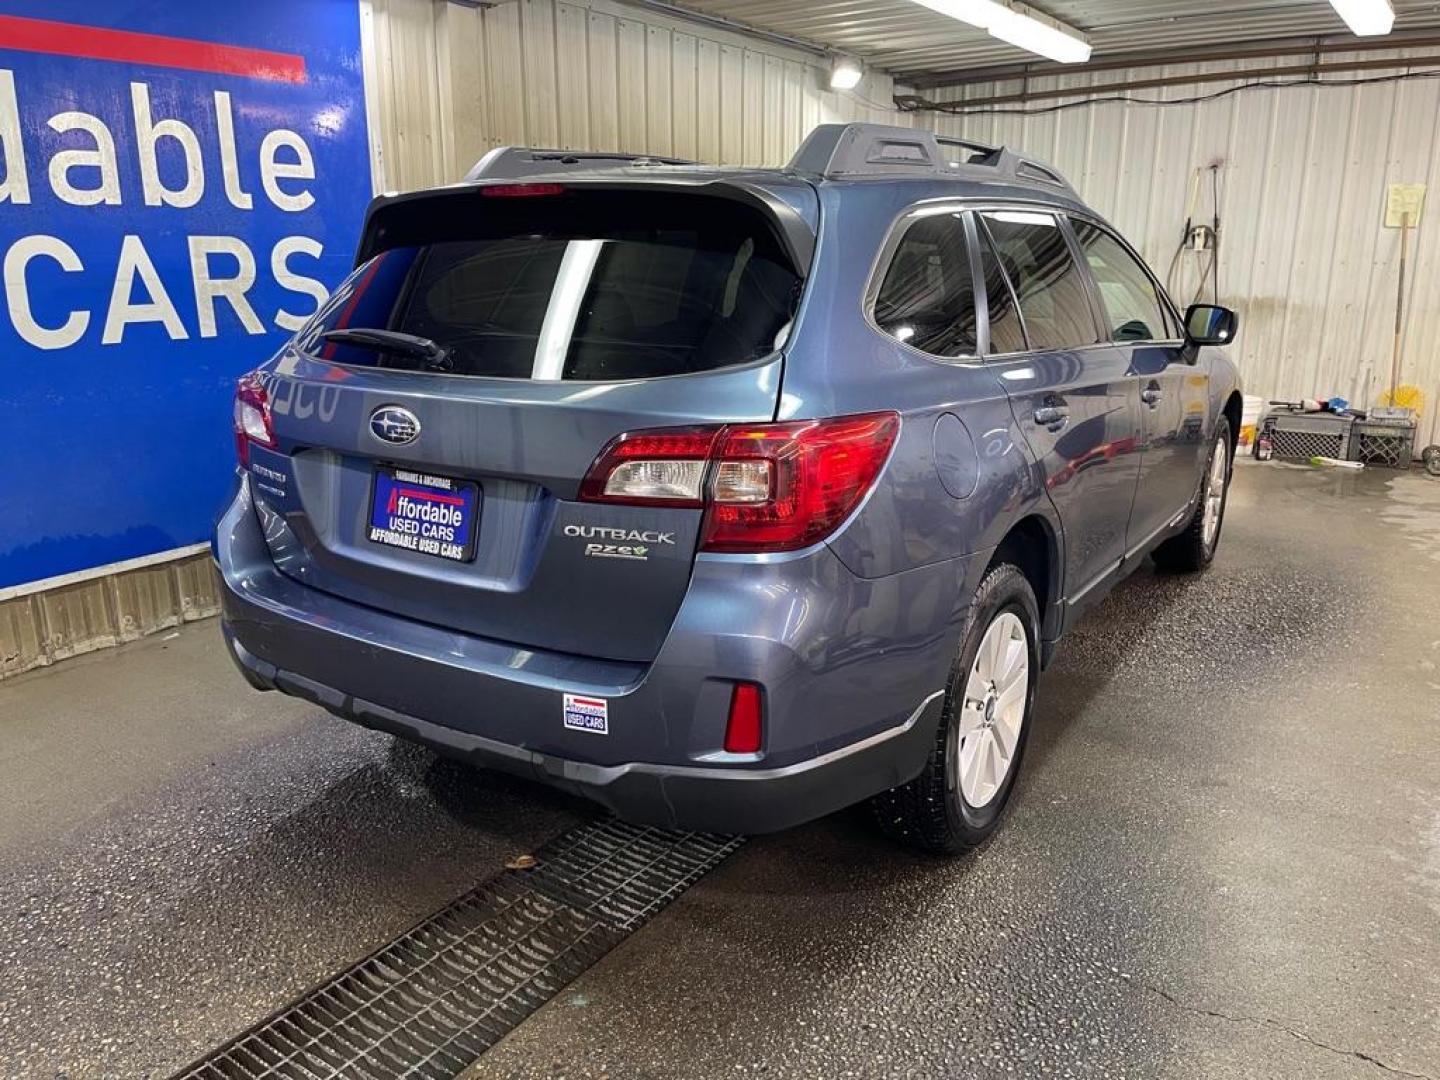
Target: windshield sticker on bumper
(587, 714)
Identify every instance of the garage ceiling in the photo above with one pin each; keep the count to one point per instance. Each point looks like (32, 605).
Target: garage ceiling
(921, 47)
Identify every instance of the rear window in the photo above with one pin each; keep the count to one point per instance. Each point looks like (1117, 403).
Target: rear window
(582, 286)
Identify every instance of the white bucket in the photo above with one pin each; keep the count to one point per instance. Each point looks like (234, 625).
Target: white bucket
(1250, 410)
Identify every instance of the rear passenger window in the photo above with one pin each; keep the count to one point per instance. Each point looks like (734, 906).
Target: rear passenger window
(927, 298)
(1047, 282)
(1133, 308)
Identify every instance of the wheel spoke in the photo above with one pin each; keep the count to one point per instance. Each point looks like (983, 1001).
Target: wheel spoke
(972, 715)
(987, 655)
(1014, 655)
(1007, 731)
(970, 765)
(985, 772)
(996, 760)
(1012, 696)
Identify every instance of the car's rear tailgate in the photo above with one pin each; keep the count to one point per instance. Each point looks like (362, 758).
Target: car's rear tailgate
(594, 579)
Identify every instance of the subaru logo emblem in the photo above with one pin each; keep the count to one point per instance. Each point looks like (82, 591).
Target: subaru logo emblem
(395, 425)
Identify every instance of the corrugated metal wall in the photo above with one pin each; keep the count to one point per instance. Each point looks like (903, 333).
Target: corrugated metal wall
(1304, 256)
(454, 81)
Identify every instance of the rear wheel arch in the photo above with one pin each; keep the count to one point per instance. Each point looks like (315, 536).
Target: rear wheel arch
(1033, 546)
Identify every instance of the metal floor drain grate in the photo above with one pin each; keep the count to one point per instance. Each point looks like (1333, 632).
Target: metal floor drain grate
(430, 1002)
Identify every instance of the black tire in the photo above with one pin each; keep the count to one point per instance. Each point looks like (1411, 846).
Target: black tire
(931, 812)
(1187, 552)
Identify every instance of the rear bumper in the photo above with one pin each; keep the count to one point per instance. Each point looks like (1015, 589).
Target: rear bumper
(848, 714)
(724, 800)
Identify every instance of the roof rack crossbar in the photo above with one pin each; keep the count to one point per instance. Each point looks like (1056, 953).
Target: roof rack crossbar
(845, 150)
(517, 162)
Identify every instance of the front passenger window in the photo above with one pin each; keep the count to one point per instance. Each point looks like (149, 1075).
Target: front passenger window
(1132, 307)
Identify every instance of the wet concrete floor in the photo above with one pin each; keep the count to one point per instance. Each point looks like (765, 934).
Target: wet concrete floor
(1222, 860)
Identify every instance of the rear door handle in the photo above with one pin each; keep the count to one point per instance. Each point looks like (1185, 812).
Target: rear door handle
(1052, 416)
(1152, 395)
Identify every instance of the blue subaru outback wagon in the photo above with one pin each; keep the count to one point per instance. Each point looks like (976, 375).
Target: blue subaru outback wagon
(725, 497)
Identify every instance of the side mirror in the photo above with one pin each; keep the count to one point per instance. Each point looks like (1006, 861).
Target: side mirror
(1210, 324)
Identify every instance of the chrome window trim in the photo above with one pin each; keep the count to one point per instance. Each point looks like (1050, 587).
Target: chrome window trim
(940, 204)
(946, 204)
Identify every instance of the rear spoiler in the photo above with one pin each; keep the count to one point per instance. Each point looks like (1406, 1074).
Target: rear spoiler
(388, 215)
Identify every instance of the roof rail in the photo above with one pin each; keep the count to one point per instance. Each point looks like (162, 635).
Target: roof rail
(844, 150)
(515, 162)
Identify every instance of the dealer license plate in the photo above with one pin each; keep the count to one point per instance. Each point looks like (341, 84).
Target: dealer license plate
(434, 515)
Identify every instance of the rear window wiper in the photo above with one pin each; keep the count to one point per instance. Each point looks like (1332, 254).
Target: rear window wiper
(432, 356)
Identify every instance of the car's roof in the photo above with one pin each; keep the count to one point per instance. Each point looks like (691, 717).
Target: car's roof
(831, 155)
(875, 165)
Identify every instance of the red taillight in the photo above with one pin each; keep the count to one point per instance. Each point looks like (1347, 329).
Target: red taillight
(252, 417)
(744, 725)
(520, 191)
(765, 487)
(819, 472)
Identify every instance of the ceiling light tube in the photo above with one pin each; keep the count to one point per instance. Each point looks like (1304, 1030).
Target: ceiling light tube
(1020, 26)
(1366, 18)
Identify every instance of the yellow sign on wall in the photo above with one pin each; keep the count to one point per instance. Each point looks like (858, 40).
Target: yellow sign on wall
(1403, 204)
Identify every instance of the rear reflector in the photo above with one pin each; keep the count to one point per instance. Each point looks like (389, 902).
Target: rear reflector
(744, 725)
(252, 420)
(764, 487)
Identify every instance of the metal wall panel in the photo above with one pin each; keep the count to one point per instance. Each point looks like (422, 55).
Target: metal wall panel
(1304, 256)
(1303, 179)
(456, 81)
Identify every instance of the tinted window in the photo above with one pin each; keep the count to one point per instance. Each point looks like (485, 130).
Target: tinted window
(1006, 332)
(1132, 307)
(1051, 293)
(927, 298)
(575, 287)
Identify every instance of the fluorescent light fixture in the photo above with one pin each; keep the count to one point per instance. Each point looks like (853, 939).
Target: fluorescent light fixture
(1026, 28)
(845, 73)
(1366, 18)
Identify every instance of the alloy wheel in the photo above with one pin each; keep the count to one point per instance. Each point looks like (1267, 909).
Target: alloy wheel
(1214, 494)
(993, 711)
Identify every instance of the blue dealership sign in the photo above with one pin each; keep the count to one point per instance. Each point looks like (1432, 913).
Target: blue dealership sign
(180, 187)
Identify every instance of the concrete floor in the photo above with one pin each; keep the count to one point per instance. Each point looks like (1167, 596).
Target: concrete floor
(1223, 858)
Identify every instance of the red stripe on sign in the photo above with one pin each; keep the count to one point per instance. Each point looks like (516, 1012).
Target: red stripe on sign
(453, 500)
(586, 701)
(128, 47)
